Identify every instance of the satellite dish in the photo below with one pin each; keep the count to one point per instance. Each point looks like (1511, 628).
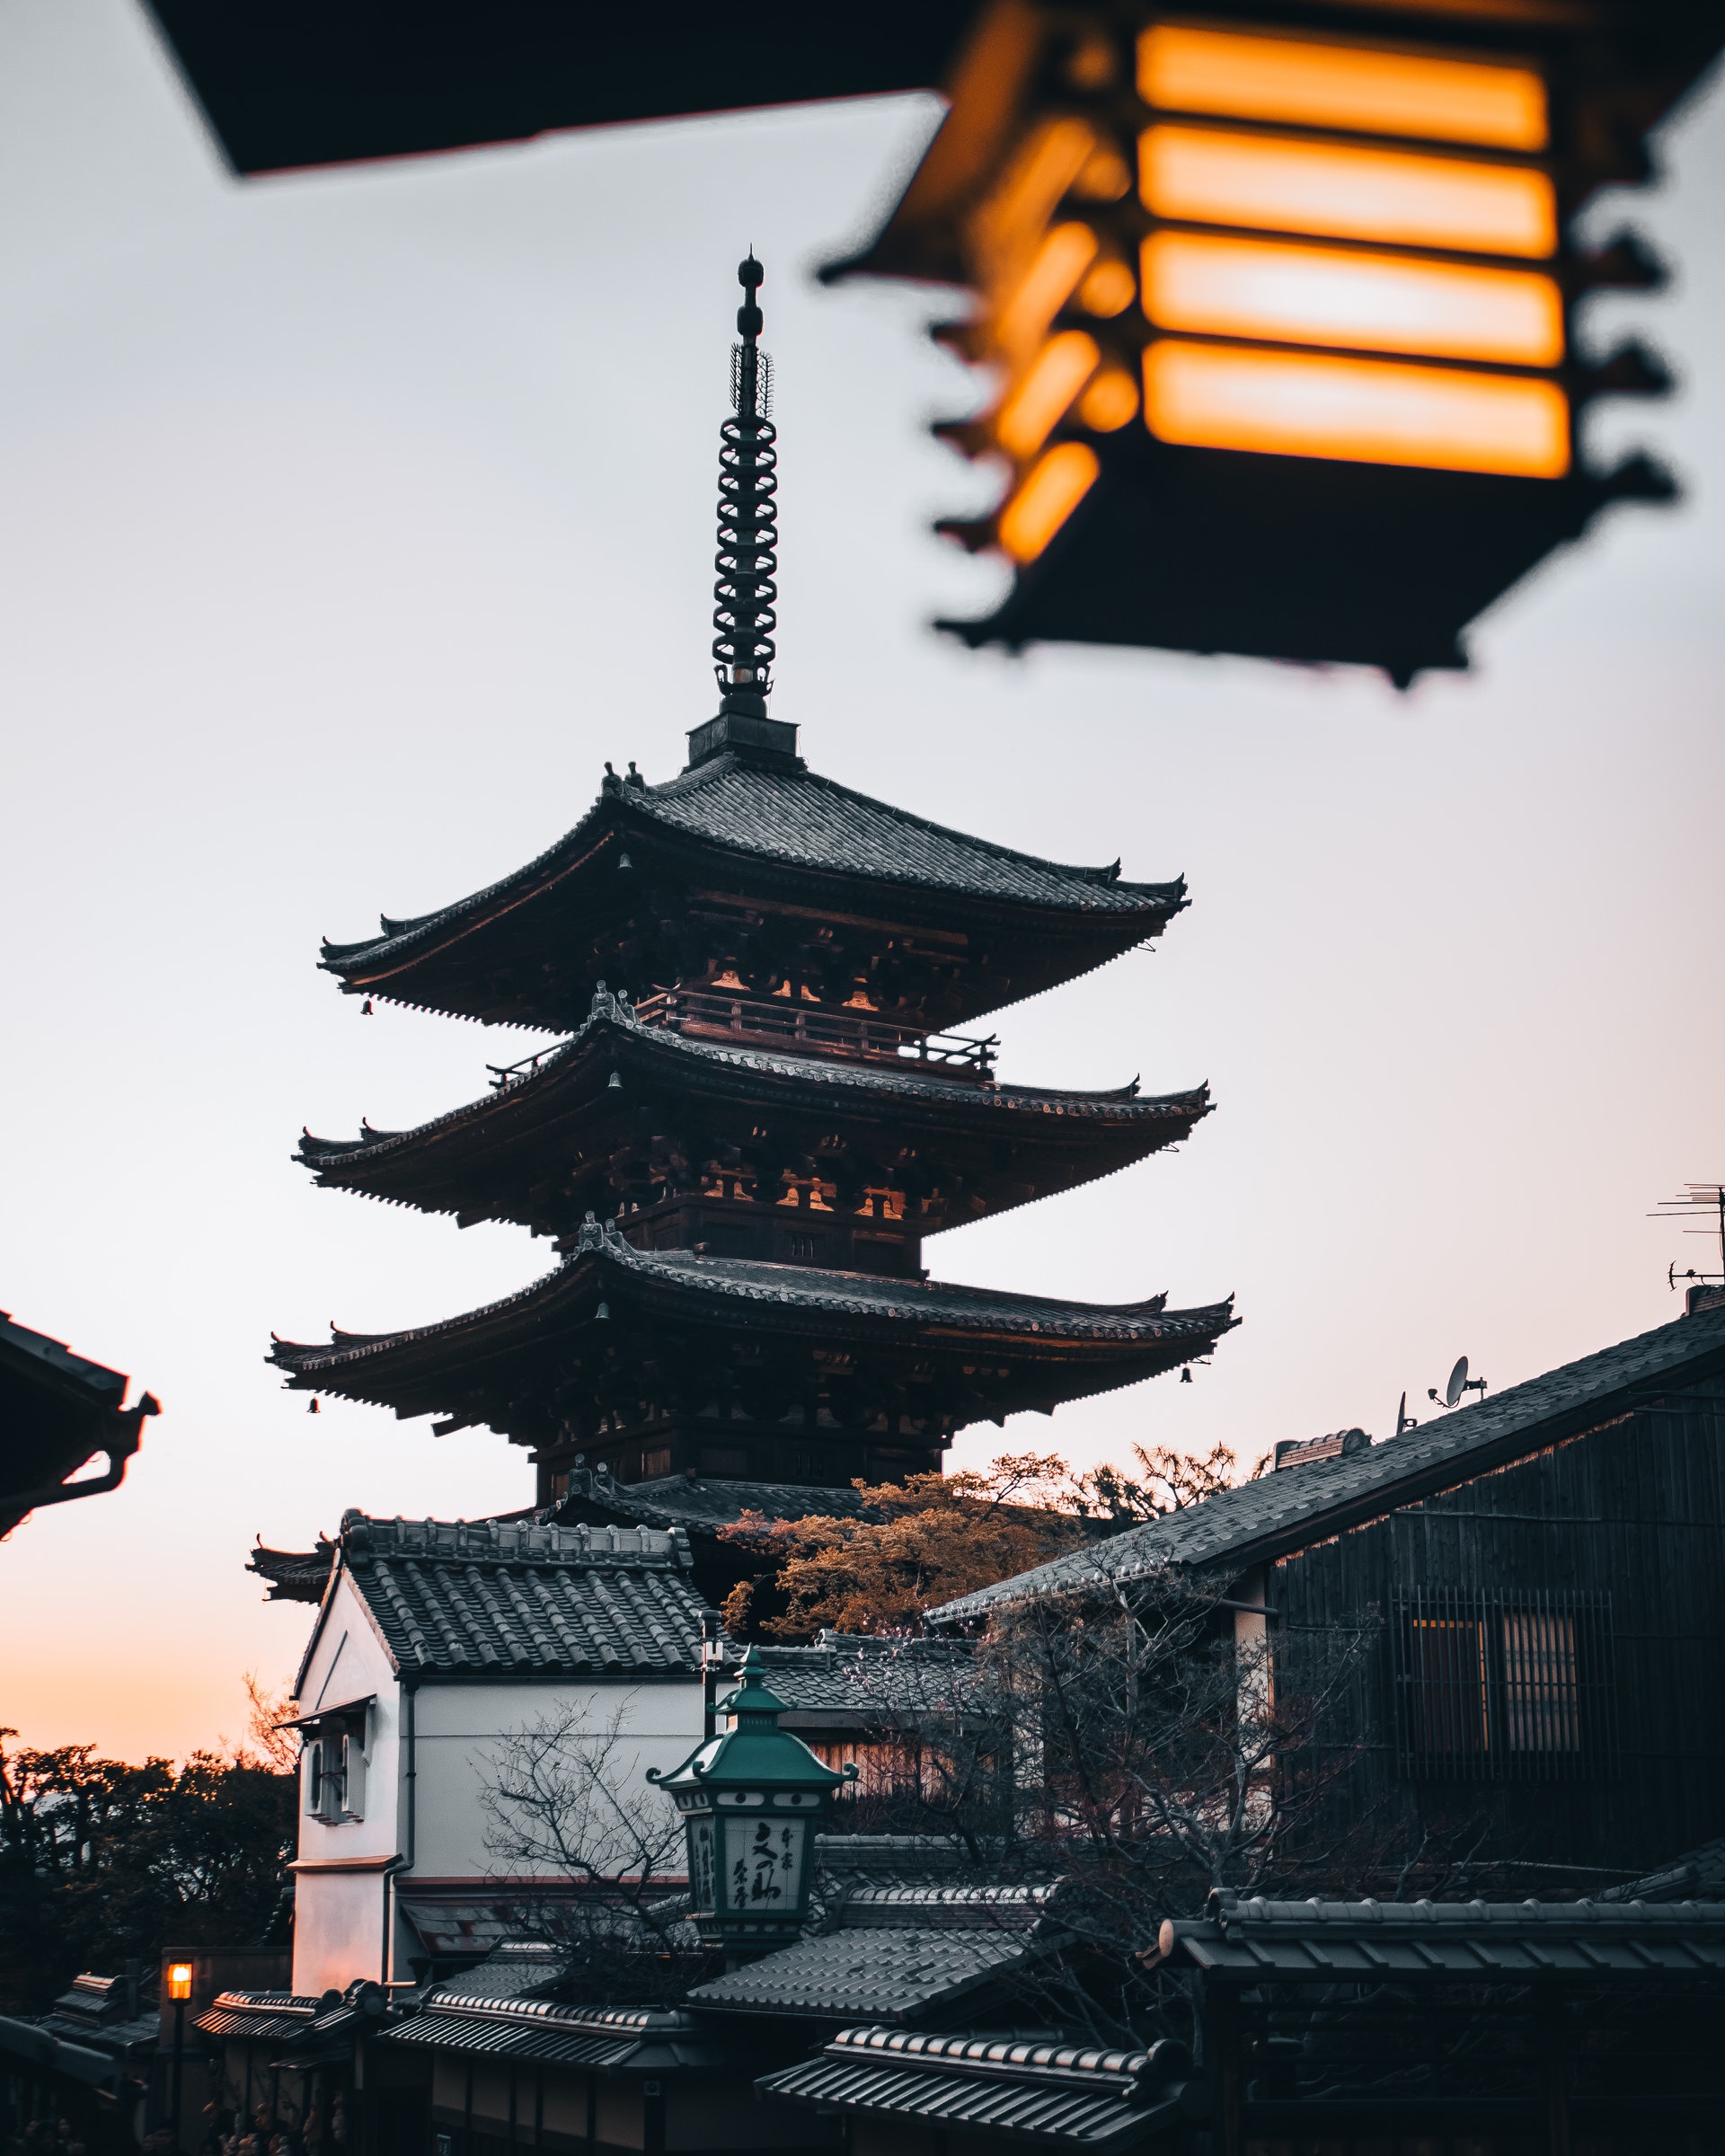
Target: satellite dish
(1458, 1383)
(1404, 1420)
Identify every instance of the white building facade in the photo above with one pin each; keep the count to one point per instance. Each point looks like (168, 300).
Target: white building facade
(439, 1647)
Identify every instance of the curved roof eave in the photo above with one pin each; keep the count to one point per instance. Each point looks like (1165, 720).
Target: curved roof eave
(1093, 892)
(973, 1312)
(1122, 1107)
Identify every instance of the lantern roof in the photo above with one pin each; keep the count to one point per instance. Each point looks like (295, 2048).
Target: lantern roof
(754, 1753)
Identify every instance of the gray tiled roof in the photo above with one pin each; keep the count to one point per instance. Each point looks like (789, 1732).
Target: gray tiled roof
(703, 1504)
(795, 815)
(1697, 1876)
(792, 815)
(1282, 1511)
(73, 1374)
(515, 1968)
(970, 1907)
(455, 2017)
(875, 1974)
(1331, 1941)
(1121, 1107)
(743, 1283)
(460, 1596)
(264, 2016)
(1066, 2094)
(849, 1678)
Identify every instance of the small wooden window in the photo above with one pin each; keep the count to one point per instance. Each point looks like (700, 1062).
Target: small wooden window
(655, 1462)
(1503, 1686)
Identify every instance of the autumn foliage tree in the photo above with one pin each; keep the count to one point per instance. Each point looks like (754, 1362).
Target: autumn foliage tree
(934, 1537)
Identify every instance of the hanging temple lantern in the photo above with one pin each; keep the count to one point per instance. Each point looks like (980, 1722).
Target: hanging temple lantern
(752, 1800)
(1277, 306)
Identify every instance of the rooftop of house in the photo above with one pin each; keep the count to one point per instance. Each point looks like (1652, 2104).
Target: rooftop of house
(53, 1365)
(1251, 1938)
(517, 1597)
(849, 1680)
(463, 2016)
(1698, 1874)
(880, 1974)
(1045, 2093)
(1340, 1487)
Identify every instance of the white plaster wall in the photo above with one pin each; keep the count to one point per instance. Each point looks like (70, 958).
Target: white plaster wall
(459, 1731)
(338, 1929)
(457, 1735)
(349, 1662)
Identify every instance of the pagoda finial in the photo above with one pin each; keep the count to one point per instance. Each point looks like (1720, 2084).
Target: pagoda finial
(748, 558)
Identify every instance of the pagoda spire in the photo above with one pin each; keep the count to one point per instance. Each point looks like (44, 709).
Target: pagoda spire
(748, 558)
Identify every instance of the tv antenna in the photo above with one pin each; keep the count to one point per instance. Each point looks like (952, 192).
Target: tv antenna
(1458, 1382)
(1696, 1198)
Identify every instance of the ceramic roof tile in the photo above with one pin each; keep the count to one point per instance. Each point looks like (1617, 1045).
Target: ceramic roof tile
(520, 1597)
(796, 814)
(792, 815)
(1281, 1510)
(821, 1290)
(1121, 1107)
(1038, 2092)
(1323, 1941)
(880, 1974)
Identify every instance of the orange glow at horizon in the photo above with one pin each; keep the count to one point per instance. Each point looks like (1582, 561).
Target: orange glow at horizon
(1359, 410)
(1047, 498)
(1213, 176)
(1303, 295)
(1062, 368)
(1246, 74)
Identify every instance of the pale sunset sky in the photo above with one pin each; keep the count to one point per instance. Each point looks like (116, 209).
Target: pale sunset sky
(349, 521)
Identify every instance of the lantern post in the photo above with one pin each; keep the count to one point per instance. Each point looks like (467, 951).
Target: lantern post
(752, 1799)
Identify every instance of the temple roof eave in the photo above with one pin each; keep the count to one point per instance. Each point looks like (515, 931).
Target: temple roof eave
(829, 1080)
(977, 871)
(788, 1299)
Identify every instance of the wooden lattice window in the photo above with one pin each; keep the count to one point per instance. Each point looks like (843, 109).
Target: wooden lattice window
(1503, 1686)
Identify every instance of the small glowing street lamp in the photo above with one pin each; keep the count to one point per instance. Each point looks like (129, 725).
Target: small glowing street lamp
(751, 1799)
(179, 1990)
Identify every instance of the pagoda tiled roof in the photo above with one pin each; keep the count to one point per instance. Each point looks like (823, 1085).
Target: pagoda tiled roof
(1294, 1507)
(1120, 1109)
(703, 1504)
(799, 1297)
(789, 816)
(500, 1598)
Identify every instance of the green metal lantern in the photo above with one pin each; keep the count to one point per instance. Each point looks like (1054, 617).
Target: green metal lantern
(751, 1799)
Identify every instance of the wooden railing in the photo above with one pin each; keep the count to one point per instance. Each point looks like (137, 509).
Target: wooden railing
(815, 1029)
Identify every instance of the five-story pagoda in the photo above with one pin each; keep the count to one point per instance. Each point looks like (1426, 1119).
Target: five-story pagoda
(759, 1109)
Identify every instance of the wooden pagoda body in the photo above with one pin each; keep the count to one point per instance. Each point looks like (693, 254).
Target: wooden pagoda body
(759, 1110)
(757, 1116)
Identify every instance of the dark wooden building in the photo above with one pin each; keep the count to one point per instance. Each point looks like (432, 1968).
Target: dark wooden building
(1538, 1576)
(759, 1111)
